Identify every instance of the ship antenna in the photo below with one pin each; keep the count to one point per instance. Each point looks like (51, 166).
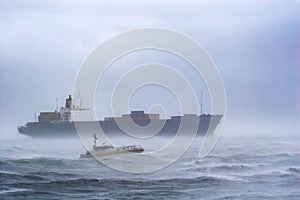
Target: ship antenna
(201, 102)
(78, 97)
(78, 93)
(95, 141)
(56, 104)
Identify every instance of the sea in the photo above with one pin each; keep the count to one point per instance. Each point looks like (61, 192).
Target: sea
(237, 168)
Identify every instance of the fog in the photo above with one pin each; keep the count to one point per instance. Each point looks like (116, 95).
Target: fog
(254, 44)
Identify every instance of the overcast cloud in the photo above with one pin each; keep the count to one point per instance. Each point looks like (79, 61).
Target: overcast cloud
(255, 45)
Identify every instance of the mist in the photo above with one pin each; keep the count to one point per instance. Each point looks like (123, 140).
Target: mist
(254, 44)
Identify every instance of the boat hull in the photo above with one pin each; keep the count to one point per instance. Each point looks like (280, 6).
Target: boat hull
(207, 125)
(110, 152)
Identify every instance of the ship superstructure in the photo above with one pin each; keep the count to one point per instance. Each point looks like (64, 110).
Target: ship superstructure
(65, 114)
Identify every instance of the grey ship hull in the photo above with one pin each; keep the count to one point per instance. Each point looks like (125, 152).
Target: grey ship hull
(207, 125)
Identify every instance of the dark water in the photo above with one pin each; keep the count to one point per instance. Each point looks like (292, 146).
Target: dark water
(238, 168)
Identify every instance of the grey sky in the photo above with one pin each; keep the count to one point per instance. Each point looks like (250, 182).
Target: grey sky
(255, 44)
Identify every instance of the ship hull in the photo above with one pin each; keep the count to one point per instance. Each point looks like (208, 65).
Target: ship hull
(207, 125)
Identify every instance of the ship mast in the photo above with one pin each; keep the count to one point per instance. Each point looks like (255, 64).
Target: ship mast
(56, 104)
(201, 112)
(95, 141)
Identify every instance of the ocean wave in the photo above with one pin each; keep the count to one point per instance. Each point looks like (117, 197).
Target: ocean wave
(85, 185)
(270, 174)
(281, 154)
(225, 167)
(254, 195)
(175, 181)
(208, 159)
(14, 177)
(54, 174)
(294, 170)
(12, 190)
(37, 160)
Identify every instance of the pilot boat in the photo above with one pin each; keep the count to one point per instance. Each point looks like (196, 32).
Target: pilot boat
(109, 150)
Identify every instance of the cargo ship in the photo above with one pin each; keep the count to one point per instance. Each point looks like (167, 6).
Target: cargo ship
(63, 124)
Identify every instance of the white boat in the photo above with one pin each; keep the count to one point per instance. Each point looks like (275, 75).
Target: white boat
(109, 150)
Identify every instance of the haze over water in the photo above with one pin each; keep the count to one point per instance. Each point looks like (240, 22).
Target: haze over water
(238, 168)
(255, 46)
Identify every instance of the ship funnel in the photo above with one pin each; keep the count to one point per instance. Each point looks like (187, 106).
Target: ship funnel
(69, 102)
